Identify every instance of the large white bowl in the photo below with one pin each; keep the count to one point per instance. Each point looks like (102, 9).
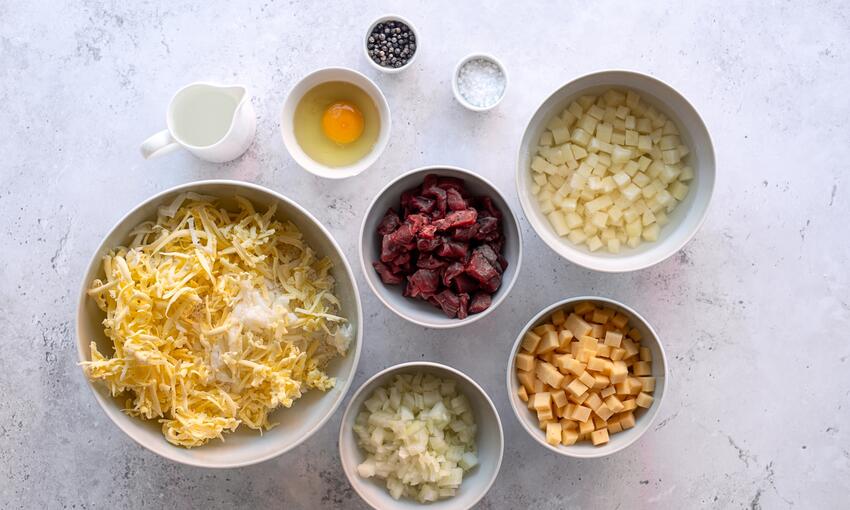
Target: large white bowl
(489, 442)
(685, 220)
(643, 417)
(302, 87)
(296, 424)
(416, 310)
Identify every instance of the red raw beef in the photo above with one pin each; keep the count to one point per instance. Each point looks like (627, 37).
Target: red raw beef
(452, 270)
(492, 285)
(480, 302)
(417, 222)
(454, 200)
(445, 247)
(389, 222)
(448, 301)
(465, 283)
(428, 261)
(464, 233)
(385, 274)
(457, 219)
(425, 244)
(427, 232)
(480, 268)
(424, 282)
(487, 205)
(452, 249)
(422, 204)
(463, 309)
(487, 225)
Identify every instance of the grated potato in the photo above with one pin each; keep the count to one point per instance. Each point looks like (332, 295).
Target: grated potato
(608, 171)
(216, 318)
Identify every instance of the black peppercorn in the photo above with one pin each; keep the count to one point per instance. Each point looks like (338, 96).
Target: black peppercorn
(391, 44)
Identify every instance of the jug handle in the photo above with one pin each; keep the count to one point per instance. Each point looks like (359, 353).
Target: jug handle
(158, 145)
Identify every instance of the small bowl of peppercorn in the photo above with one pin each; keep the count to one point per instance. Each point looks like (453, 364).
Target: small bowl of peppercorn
(391, 44)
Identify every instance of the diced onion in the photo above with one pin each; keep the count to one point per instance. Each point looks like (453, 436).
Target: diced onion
(419, 434)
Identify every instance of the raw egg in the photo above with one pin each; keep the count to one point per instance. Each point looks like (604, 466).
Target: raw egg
(336, 123)
(342, 122)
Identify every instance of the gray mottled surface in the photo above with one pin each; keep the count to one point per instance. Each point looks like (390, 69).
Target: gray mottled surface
(754, 312)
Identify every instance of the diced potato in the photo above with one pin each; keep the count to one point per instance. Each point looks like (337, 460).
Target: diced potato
(586, 379)
(647, 384)
(627, 421)
(679, 190)
(548, 342)
(614, 404)
(594, 243)
(550, 375)
(619, 372)
(561, 134)
(580, 137)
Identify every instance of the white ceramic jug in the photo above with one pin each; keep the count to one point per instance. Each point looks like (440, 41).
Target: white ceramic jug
(214, 122)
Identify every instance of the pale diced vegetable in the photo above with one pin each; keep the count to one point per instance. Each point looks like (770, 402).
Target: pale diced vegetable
(609, 169)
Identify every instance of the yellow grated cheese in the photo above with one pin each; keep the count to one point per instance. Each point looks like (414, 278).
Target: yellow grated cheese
(216, 318)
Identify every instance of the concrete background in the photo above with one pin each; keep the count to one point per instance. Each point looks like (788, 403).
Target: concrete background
(753, 312)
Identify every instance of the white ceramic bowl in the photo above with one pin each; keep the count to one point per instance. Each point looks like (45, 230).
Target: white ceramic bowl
(685, 220)
(643, 417)
(456, 90)
(417, 41)
(489, 442)
(415, 310)
(302, 87)
(245, 446)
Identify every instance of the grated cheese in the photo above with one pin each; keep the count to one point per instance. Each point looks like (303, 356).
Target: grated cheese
(216, 319)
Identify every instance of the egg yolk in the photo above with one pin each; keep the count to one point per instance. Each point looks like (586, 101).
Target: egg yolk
(342, 122)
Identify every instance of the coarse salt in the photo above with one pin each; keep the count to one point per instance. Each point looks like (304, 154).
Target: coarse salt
(481, 82)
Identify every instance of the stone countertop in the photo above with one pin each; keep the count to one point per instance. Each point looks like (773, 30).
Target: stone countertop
(752, 312)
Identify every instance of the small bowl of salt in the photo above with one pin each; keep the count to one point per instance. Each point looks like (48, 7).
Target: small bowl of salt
(479, 82)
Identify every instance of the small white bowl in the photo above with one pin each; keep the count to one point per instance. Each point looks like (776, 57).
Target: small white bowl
(643, 417)
(287, 117)
(416, 310)
(489, 442)
(245, 446)
(391, 70)
(685, 220)
(456, 90)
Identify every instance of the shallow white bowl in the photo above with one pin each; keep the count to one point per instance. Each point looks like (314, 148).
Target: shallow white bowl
(302, 87)
(391, 70)
(245, 446)
(415, 310)
(489, 442)
(685, 220)
(456, 89)
(643, 417)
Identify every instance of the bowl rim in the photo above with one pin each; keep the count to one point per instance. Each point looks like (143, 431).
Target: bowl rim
(456, 90)
(349, 410)
(508, 286)
(165, 452)
(308, 164)
(391, 17)
(568, 451)
(524, 194)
